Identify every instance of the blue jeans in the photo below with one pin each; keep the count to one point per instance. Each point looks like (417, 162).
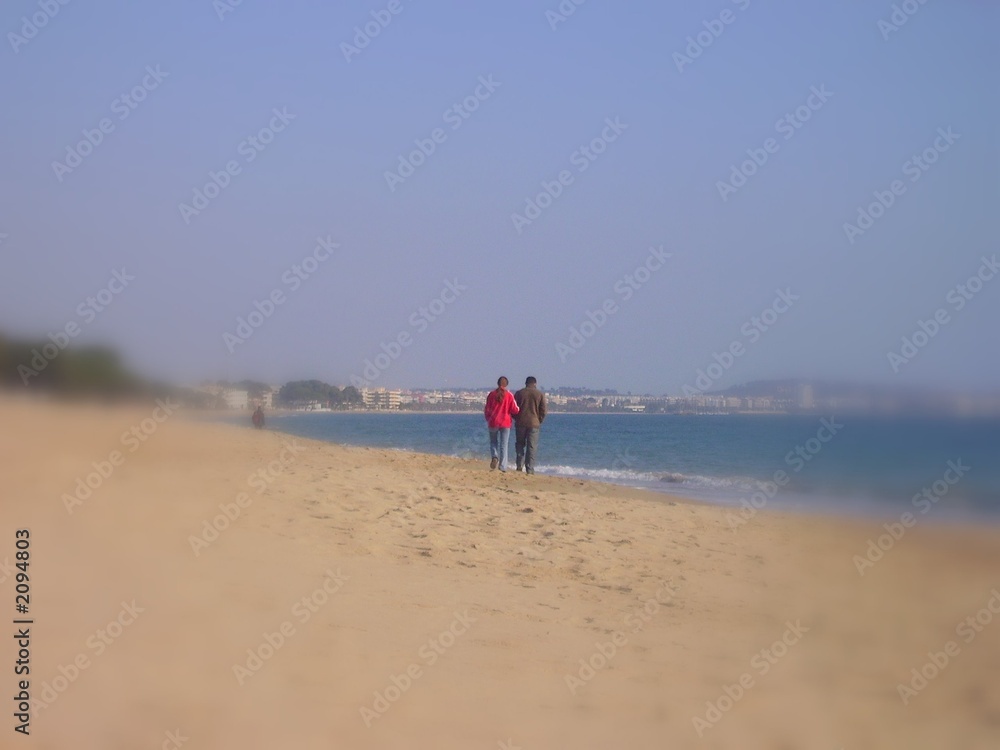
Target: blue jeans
(498, 445)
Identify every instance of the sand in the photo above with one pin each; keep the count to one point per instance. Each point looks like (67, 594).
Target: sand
(360, 598)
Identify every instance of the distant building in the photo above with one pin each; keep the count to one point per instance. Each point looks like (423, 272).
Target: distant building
(265, 400)
(309, 406)
(236, 399)
(381, 399)
(806, 396)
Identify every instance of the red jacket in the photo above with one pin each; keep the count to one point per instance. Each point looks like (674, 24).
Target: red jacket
(500, 407)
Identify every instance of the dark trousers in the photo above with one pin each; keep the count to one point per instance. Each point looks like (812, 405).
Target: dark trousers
(526, 445)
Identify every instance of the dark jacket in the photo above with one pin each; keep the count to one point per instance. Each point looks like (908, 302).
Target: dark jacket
(532, 404)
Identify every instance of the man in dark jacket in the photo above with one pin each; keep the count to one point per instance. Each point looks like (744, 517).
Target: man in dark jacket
(531, 402)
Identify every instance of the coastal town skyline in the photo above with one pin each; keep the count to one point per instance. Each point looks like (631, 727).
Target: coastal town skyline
(768, 397)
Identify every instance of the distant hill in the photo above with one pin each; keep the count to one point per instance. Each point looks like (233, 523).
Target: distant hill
(842, 396)
(779, 389)
(826, 389)
(42, 366)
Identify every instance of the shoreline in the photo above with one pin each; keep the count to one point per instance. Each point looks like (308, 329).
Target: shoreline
(827, 509)
(805, 505)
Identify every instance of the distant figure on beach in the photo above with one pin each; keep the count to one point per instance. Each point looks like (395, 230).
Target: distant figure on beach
(500, 407)
(258, 418)
(531, 407)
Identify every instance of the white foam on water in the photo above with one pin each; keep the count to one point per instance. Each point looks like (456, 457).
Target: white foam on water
(667, 481)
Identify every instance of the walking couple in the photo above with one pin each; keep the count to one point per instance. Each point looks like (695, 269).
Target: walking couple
(527, 407)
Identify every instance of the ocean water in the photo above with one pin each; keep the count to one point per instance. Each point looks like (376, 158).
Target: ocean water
(851, 465)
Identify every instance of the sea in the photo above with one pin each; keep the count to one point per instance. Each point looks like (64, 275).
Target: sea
(941, 469)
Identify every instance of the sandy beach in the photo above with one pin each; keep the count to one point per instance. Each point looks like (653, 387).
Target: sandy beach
(223, 587)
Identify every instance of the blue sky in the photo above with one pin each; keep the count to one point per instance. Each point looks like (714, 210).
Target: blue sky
(552, 92)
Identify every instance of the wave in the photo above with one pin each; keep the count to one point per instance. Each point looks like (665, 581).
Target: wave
(658, 479)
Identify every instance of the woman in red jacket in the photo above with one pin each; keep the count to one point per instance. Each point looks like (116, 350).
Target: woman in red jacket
(500, 407)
